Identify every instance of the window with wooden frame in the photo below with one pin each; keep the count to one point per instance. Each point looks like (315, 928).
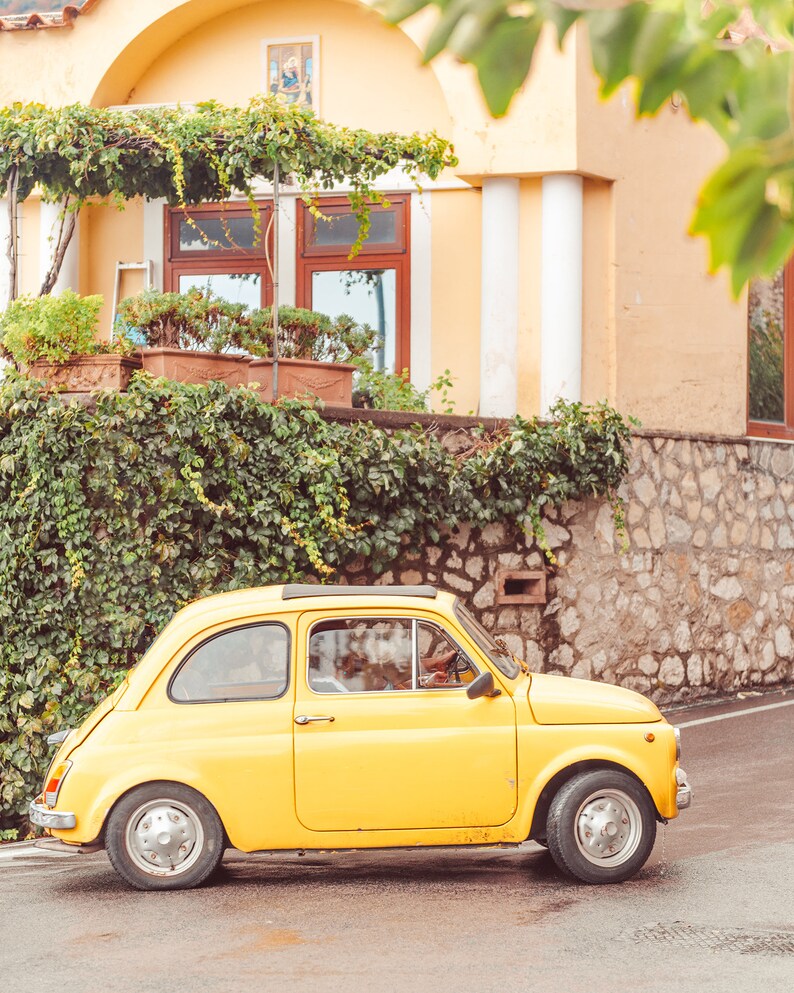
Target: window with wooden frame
(771, 356)
(220, 247)
(373, 287)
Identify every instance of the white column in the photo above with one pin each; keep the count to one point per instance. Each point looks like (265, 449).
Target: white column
(561, 290)
(421, 290)
(4, 267)
(49, 223)
(153, 239)
(499, 306)
(287, 251)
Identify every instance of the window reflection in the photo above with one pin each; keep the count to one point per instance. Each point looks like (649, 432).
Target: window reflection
(212, 234)
(237, 287)
(369, 296)
(342, 229)
(766, 350)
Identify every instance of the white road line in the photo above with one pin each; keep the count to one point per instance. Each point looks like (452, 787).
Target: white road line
(736, 713)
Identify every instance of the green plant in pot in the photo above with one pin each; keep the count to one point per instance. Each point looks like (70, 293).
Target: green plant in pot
(54, 338)
(315, 354)
(197, 336)
(190, 337)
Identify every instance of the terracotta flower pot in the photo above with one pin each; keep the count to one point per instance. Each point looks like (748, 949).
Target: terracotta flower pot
(185, 366)
(331, 382)
(85, 373)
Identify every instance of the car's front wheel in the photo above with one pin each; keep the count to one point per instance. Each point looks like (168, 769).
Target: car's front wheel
(601, 826)
(164, 836)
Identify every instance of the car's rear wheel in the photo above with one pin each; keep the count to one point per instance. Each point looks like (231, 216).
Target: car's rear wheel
(164, 836)
(601, 826)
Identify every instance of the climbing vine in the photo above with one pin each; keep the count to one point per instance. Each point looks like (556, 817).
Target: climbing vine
(112, 516)
(206, 152)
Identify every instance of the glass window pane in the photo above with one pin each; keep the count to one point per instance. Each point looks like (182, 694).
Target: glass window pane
(211, 234)
(442, 663)
(361, 655)
(766, 347)
(369, 296)
(238, 287)
(342, 229)
(248, 663)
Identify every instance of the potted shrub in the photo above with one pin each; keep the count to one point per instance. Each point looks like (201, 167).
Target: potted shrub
(188, 337)
(53, 338)
(194, 337)
(315, 353)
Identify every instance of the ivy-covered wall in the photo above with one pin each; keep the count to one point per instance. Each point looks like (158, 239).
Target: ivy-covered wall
(115, 513)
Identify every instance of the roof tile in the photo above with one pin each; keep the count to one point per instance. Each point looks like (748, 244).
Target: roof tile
(56, 19)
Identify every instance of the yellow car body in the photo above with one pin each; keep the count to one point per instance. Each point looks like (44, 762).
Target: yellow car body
(310, 761)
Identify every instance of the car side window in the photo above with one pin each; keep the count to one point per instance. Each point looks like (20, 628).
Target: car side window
(361, 655)
(371, 655)
(250, 662)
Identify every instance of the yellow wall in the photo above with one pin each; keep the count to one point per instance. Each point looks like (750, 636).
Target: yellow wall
(680, 340)
(599, 355)
(456, 281)
(369, 77)
(108, 236)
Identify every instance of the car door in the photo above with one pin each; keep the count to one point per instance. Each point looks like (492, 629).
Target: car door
(381, 743)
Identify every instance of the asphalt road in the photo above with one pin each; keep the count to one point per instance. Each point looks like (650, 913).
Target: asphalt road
(713, 910)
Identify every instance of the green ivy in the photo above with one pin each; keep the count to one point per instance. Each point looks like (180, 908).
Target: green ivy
(114, 516)
(204, 153)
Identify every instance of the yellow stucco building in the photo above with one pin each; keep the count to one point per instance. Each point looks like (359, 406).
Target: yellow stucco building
(553, 260)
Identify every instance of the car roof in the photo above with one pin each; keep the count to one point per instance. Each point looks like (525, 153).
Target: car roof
(297, 596)
(293, 590)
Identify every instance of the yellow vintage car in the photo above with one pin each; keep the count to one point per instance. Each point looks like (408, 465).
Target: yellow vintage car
(339, 717)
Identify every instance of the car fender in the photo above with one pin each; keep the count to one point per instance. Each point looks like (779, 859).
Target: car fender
(654, 768)
(97, 800)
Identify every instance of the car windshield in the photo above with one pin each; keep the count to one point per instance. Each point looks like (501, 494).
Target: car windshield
(501, 657)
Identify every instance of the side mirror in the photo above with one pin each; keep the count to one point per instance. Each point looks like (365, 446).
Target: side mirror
(481, 686)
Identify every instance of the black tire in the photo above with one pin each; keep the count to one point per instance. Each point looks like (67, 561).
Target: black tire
(601, 827)
(164, 836)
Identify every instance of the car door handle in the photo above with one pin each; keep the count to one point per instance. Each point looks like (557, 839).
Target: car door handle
(305, 719)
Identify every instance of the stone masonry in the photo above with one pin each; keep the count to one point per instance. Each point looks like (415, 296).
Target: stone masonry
(701, 601)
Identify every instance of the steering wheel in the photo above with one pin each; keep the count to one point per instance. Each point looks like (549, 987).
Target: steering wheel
(455, 666)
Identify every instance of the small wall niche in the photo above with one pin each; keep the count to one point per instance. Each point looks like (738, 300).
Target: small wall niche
(521, 587)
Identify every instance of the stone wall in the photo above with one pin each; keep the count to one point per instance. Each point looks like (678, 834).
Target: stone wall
(700, 602)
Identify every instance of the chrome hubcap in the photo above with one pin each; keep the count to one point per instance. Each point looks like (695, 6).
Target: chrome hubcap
(608, 827)
(164, 837)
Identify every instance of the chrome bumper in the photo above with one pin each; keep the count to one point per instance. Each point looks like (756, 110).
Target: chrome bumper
(57, 820)
(683, 796)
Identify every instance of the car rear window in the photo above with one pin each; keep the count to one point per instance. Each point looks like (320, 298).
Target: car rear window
(250, 662)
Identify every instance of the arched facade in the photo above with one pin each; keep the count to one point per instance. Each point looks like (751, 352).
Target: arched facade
(553, 260)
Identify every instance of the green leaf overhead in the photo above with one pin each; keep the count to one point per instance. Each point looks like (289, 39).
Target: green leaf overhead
(731, 62)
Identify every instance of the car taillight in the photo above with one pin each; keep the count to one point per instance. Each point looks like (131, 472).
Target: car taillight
(54, 780)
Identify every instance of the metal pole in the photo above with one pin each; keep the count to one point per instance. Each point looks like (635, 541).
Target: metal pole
(274, 275)
(13, 235)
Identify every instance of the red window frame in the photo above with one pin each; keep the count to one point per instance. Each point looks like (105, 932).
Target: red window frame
(780, 429)
(334, 258)
(180, 262)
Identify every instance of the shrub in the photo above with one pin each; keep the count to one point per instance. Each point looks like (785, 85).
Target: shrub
(196, 320)
(200, 320)
(377, 389)
(55, 328)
